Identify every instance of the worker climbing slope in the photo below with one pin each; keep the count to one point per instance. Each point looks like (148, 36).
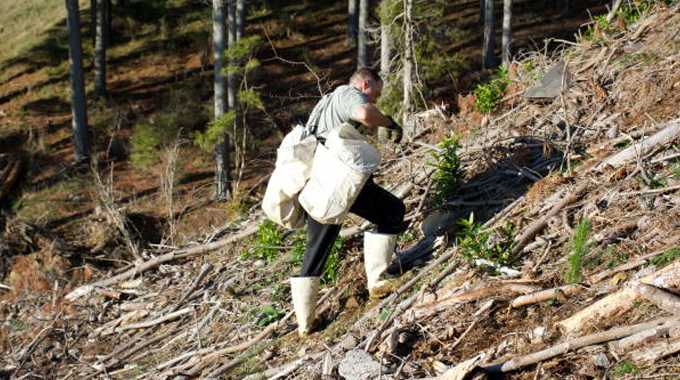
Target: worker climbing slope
(340, 112)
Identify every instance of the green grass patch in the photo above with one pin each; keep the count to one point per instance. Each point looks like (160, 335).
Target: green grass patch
(625, 367)
(666, 257)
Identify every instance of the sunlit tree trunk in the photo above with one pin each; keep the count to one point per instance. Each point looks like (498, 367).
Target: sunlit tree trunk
(352, 22)
(488, 47)
(222, 174)
(362, 43)
(408, 58)
(385, 53)
(100, 51)
(507, 31)
(240, 18)
(78, 110)
(231, 27)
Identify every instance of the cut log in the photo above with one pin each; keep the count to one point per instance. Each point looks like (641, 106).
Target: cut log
(656, 352)
(544, 295)
(606, 309)
(661, 298)
(667, 135)
(626, 344)
(573, 344)
(460, 371)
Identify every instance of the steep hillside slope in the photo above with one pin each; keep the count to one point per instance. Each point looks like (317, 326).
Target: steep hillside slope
(578, 195)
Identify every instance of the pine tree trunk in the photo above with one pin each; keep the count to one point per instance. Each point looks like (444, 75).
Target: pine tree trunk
(352, 22)
(488, 48)
(100, 51)
(408, 59)
(93, 21)
(385, 53)
(231, 27)
(222, 165)
(107, 29)
(78, 110)
(362, 43)
(240, 18)
(507, 31)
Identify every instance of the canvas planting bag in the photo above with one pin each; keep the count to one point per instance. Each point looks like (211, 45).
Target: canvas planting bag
(340, 169)
(293, 167)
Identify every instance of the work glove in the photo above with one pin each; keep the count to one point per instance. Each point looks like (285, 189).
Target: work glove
(396, 131)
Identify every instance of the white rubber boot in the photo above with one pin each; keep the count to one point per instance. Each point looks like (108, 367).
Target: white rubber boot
(305, 291)
(378, 251)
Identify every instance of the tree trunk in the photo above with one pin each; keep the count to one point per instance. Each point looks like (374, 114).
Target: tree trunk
(507, 31)
(107, 24)
(231, 78)
(78, 110)
(362, 43)
(352, 22)
(385, 53)
(408, 59)
(488, 47)
(222, 165)
(93, 21)
(100, 51)
(240, 18)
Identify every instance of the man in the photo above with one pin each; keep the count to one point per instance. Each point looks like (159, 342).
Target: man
(353, 103)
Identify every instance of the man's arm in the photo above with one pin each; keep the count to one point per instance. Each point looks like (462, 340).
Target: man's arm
(370, 116)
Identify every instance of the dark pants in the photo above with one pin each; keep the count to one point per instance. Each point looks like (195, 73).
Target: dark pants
(374, 204)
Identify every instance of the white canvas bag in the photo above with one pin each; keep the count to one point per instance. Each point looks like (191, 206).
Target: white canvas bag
(293, 167)
(340, 169)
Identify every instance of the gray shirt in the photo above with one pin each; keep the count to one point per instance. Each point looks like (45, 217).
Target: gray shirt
(335, 109)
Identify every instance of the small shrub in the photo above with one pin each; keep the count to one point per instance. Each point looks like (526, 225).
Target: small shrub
(579, 250)
(207, 139)
(268, 240)
(446, 179)
(495, 246)
(490, 94)
(625, 367)
(270, 314)
(145, 141)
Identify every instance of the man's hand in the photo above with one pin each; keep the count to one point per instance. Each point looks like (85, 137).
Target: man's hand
(397, 132)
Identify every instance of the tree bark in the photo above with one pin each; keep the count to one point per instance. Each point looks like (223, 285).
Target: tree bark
(222, 164)
(362, 44)
(78, 110)
(352, 22)
(240, 18)
(231, 78)
(100, 50)
(507, 31)
(488, 45)
(385, 53)
(408, 59)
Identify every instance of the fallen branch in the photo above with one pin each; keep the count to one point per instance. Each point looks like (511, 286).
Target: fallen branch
(157, 321)
(656, 352)
(563, 348)
(544, 295)
(474, 295)
(534, 228)
(665, 136)
(620, 302)
(661, 298)
(170, 256)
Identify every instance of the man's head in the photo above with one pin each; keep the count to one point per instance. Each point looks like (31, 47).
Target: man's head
(367, 81)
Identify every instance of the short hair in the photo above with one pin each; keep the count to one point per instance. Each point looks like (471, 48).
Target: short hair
(365, 73)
